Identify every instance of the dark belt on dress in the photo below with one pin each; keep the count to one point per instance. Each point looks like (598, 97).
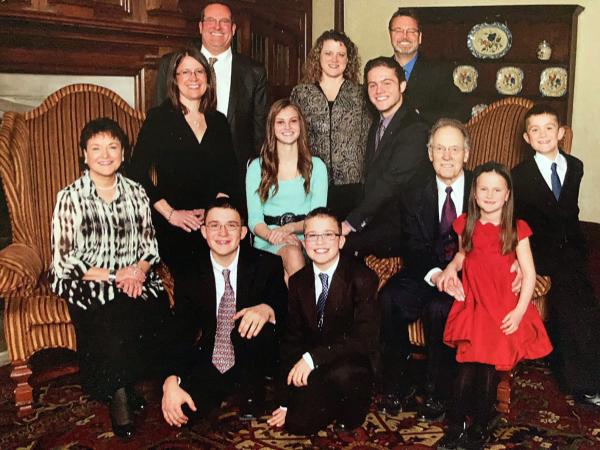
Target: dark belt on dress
(283, 219)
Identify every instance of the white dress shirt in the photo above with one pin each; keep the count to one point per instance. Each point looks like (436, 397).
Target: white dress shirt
(457, 195)
(220, 280)
(222, 68)
(318, 290)
(545, 166)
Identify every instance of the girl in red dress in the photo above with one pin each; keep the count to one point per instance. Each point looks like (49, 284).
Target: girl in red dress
(491, 327)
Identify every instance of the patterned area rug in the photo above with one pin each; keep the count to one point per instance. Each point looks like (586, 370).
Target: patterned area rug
(64, 418)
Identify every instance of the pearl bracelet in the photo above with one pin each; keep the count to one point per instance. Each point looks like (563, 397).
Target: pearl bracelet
(170, 215)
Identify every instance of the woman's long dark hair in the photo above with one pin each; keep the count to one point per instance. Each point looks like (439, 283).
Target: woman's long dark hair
(208, 102)
(269, 166)
(508, 225)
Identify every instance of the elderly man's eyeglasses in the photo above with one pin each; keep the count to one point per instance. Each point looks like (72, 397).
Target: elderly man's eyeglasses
(440, 149)
(186, 74)
(212, 21)
(229, 226)
(407, 31)
(327, 236)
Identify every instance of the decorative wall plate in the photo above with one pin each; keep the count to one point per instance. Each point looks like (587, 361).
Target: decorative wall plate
(489, 40)
(478, 108)
(553, 82)
(465, 78)
(509, 80)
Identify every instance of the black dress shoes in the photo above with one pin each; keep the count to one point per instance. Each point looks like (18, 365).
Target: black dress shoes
(120, 415)
(454, 437)
(137, 403)
(393, 403)
(432, 409)
(476, 438)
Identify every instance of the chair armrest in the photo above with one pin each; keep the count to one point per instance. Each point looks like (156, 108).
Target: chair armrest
(20, 268)
(385, 268)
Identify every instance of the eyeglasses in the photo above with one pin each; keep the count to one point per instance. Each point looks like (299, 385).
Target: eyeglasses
(187, 74)
(212, 21)
(407, 31)
(327, 236)
(440, 149)
(229, 226)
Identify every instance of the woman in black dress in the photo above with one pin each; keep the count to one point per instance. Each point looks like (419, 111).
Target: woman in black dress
(184, 158)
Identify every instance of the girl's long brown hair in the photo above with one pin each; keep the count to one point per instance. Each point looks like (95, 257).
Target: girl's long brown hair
(268, 153)
(508, 225)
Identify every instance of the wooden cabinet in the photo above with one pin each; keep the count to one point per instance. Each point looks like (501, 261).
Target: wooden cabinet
(445, 31)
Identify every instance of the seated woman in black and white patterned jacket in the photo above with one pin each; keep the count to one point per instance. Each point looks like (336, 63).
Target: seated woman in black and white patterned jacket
(103, 252)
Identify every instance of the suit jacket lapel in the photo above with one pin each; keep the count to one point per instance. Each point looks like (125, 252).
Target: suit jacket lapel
(337, 288)
(394, 125)
(234, 87)
(539, 183)
(207, 292)
(309, 299)
(429, 216)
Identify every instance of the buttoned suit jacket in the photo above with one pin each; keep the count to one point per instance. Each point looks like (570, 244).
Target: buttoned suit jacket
(555, 224)
(400, 160)
(351, 317)
(247, 108)
(420, 226)
(431, 91)
(259, 280)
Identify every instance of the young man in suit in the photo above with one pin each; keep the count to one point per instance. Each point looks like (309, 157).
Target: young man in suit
(430, 88)
(226, 307)
(430, 243)
(396, 157)
(331, 337)
(241, 82)
(546, 188)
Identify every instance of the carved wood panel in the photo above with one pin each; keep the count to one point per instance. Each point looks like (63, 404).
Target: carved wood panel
(127, 37)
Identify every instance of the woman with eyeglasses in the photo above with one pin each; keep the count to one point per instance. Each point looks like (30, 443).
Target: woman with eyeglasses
(283, 185)
(337, 118)
(184, 158)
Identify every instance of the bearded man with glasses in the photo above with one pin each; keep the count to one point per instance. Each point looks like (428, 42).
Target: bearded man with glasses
(429, 86)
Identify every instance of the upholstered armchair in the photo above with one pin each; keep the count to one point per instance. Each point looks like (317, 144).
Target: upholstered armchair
(39, 155)
(496, 134)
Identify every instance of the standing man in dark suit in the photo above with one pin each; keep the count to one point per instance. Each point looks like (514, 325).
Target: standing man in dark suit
(546, 189)
(226, 308)
(430, 243)
(330, 342)
(396, 157)
(430, 88)
(241, 82)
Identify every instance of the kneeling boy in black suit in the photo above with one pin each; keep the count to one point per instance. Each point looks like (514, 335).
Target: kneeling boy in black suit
(331, 336)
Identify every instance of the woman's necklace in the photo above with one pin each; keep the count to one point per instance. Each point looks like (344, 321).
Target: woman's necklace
(101, 188)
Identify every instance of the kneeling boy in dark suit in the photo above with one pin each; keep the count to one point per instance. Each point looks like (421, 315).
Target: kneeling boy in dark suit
(331, 337)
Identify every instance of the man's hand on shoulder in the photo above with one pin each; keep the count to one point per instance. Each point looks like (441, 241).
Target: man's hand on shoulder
(253, 319)
(298, 375)
(346, 228)
(172, 400)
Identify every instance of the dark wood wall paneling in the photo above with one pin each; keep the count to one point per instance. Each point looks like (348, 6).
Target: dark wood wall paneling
(445, 31)
(127, 37)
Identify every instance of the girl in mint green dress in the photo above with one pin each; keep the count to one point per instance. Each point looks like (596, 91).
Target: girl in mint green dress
(284, 185)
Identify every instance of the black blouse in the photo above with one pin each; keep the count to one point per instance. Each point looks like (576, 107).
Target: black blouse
(189, 173)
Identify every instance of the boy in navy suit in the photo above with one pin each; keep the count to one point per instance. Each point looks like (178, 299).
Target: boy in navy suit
(330, 343)
(546, 189)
